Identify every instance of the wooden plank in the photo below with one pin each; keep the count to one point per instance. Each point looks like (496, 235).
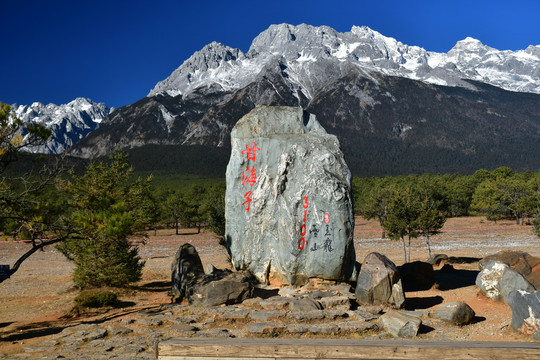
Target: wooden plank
(282, 349)
(166, 357)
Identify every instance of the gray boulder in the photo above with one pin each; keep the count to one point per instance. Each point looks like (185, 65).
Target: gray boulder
(221, 288)
(497, 280)
(524, 263)
(400, 324)
(289, 213)
(455, 312)
(379, 282)
(525, 307)
(185, 269)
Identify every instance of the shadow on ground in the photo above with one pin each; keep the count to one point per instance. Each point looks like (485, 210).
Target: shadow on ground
(418, 303)
(462, 260)
(478, 319)
(33, 330)
(156, 286)
(449, 278)
(265, 293)
(425, 329)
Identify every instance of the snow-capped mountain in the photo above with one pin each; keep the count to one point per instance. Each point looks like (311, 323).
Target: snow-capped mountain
(305, 53)
(68, 122)
(393, 107)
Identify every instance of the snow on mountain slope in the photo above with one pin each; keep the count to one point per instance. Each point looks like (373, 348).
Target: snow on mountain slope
(214, 63)
(68, 123)
(306, 53)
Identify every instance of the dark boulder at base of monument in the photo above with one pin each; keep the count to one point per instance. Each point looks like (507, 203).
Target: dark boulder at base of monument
(221, 288)
(379, 282)
(189, 281)
(185, 269)
(289, 212)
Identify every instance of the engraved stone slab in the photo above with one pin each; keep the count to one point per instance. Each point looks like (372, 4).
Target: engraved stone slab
(289, 212)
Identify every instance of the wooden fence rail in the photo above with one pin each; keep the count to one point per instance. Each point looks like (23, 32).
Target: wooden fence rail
(292, 349)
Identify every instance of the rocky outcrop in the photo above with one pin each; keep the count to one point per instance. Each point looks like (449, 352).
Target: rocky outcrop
(525, 312)
(497, 280)
(379, 282)
(289, 214)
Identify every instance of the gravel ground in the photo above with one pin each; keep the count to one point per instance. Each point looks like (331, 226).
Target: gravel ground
(36, 303)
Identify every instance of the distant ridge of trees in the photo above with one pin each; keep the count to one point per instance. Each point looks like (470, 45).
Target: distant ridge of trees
(376, 157)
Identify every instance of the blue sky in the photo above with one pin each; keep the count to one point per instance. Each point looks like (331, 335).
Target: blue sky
(116, 51)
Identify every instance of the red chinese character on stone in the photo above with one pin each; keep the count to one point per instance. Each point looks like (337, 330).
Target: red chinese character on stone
(247, 204)
(251, 152)
(251, 178)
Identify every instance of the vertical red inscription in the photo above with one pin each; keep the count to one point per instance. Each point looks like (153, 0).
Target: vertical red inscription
(249, 175)
(303, 227)
(247, 204)
(251, 178)
(251, 152)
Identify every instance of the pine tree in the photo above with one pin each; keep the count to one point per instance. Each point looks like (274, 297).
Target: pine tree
(402, 217)
(106, 208)
(430, 220)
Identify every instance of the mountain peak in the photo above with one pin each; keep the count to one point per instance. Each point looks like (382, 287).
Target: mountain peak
(290, 38)
(305, 49)
(469, 39)
(365, 32)
(471, 45)
(533, 50)
(212, 55)
(195, 70)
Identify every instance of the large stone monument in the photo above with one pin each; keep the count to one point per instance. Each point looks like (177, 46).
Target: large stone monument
(289, 211)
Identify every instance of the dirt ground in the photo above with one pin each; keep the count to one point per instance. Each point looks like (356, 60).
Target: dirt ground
(38, 296)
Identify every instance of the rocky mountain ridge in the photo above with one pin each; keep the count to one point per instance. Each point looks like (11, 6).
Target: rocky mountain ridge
(68, 122)
(301, 47)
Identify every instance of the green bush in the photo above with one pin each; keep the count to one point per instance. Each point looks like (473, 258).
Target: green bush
(96, 298)
(536, 225)
(25, 234)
